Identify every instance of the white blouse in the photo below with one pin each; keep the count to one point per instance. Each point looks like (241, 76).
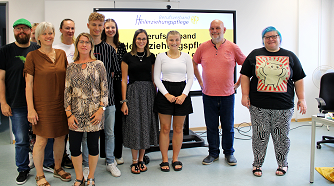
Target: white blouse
(173, 70)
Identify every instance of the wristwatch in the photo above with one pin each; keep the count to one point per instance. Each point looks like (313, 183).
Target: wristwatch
(123, 101)
(103, 108)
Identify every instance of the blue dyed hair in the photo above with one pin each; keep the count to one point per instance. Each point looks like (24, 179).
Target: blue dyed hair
(270, 29)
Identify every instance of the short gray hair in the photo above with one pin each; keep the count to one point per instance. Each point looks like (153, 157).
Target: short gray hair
(41, 28)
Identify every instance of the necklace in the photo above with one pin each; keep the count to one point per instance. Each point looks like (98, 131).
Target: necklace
(141, 57)
(51, 55)
(173, 57)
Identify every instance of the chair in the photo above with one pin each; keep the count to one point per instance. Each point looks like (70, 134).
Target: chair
(326, 102)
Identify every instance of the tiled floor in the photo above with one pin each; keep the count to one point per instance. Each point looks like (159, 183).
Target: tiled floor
(194, 173)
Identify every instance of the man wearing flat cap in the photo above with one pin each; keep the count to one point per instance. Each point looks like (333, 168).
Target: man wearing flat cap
(12, 92)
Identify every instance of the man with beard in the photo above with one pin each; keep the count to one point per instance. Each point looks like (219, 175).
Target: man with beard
(12, 92)
(218, 58)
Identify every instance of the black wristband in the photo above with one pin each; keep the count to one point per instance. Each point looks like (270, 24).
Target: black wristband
(69, 116)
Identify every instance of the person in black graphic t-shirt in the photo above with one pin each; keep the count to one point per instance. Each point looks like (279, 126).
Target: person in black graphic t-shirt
(12, 92)
(275, 75)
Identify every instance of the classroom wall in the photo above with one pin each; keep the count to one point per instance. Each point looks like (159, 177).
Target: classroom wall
(307, 29)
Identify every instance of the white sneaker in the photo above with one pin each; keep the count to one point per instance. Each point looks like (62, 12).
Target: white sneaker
(113, 169)
(119, 161)
(85, 173)
(31, 161)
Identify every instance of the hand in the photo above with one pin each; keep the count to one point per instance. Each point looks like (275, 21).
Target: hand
(201, 84)
(72, 122)
(6, 110)
(170, 98)
(124, 109)
(301, 106)
(236, 85)
(32, 116)
(96, 117)
(245, 101)
(180, 99)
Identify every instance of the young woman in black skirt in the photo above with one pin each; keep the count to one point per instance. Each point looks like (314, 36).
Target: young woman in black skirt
(172, 100)
(140, 123)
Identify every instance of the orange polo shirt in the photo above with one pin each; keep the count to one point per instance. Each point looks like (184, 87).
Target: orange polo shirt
(218, 67)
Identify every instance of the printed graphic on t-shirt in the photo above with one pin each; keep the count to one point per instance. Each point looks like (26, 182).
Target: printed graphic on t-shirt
(23, 59)
(273, 73)
(70, 55)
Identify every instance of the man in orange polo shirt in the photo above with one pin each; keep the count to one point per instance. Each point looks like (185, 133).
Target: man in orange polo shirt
(218, 58)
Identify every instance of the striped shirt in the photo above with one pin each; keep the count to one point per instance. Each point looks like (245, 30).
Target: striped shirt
(107, 54)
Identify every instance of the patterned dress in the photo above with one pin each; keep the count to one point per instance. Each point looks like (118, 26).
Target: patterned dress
(84, 90)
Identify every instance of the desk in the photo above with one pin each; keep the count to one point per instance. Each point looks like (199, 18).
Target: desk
(316, 119)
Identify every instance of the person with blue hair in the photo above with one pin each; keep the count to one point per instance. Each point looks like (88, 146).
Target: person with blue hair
(269, 78)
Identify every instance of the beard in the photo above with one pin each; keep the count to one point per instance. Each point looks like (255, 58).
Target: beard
(22, 40)
(217, 39)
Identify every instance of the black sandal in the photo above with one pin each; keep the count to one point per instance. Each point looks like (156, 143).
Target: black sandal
(137, 170)
(90, 182)
(280, 169)
(257, 169)
(174, 164)
(82, 182)
(142, 167)
(164, 164)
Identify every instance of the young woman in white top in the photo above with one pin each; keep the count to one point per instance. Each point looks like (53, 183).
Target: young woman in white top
(172, 99)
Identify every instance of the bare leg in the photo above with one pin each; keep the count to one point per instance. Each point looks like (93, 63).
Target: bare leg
(58, 151)
(141, 158)
(92, 161)
(134, 160)
(38, 156)
(177, 140)
(165, 123)
(77, 163)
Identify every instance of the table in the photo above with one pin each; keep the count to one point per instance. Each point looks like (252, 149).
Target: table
(316, 119)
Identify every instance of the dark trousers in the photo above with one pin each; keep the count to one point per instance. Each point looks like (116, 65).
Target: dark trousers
(219, 108)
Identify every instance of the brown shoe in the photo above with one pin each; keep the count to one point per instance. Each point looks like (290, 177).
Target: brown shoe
(37, 178)
(63, 177)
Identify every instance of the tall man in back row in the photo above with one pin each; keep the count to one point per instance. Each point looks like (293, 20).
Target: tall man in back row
(218, 58)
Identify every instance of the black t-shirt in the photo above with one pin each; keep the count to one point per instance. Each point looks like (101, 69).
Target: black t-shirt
(139, 70)
(12, 59)
(272, 78)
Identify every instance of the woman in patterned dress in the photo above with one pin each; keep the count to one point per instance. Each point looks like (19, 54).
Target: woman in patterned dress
(275, 74)
(86, 95)
(140, 123)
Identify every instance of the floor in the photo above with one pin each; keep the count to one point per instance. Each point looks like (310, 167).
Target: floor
(194, 173)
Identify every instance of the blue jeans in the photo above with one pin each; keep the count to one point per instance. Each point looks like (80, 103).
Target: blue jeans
(84, 150)
(109, 124)
(215, 108)
(48, 153)
(20, 127)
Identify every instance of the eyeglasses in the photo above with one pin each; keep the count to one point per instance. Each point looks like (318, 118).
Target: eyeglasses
(141, 39)
(24, 28)
(82, 42)
(270, 37)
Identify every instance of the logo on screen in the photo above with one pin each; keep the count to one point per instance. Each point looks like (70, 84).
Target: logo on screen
(194, 19)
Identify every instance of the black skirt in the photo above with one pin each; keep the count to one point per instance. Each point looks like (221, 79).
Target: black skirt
(141, 126)
(163, 106)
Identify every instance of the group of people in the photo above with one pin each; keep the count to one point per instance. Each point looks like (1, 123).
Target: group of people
(91, 89)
